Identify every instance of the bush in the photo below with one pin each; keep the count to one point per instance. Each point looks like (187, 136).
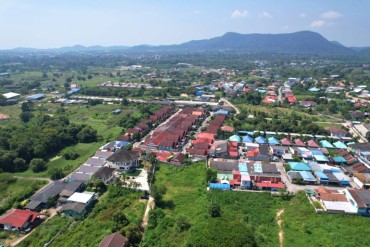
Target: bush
(69, 155)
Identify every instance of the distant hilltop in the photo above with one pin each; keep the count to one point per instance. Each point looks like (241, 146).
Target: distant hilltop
(303, 42)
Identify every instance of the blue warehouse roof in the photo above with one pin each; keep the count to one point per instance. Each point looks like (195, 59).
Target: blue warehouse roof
(219, 186)
(299, 166)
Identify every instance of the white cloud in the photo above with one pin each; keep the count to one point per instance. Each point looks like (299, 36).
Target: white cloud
(286, 27)
(265, 14)
(302, 15)
(318, 24)
(331, 15)
(236, 14)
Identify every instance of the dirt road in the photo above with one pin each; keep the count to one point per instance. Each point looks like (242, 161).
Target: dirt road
(279, 221)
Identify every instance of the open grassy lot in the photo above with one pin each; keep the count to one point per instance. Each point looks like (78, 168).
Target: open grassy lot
(303, 227)
(247, 219)
(99, 223)
(14, 190)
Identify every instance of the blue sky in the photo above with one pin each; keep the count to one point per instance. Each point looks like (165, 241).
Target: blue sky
(53, 23)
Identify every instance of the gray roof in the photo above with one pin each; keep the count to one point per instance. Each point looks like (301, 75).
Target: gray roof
(294, 175)
(224, 166)
(79, 176)
(32, 205)
(95, 162)
(105, 172)
(47, 192)
(88, 169)
(264, 150)
(332, 178)
(364, 195)
(361, 146)
(123, 155)
(74, 206)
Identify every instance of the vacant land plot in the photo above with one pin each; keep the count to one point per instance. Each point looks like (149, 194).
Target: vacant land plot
(186, 221)
(14, 190)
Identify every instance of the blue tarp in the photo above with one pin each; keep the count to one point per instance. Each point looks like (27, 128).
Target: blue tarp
(73, 90)
(219, 186)
(199, 93)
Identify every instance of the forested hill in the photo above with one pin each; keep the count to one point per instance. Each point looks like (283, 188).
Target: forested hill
(299, 42)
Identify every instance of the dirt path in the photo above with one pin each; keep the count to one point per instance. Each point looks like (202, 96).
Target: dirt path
(280, 222)
(233, 106)
(149, 206)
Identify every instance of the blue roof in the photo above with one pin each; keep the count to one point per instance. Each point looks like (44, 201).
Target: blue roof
(243, 167)
(326, 144)
(219, 186)
(321, 158)
(221, 112)
(36, 96)
(307, 176)
(339, 144)
(247, 139)
(262, 90)
(260, 140)
(198, 93)
(321, 175)
(299, 166)
(273, 140)
(234, 138)
(317, 152)
(339, 159)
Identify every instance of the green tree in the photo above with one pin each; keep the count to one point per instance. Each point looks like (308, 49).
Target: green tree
(38, 165)
(211, 175)
(133, 234)
(20, 164)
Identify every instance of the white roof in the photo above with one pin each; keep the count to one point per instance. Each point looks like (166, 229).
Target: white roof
(81, 197)
(342, 206)
(340, 176)
(10, 95)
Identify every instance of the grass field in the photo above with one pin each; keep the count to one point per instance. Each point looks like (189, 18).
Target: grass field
(14, 190)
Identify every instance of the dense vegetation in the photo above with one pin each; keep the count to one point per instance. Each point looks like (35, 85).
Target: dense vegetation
(41, 138)
(118, 209)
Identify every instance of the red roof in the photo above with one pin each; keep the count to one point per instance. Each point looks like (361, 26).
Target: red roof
(18, 217)
(279, 185)
(227, 129)
(299, 142)
(163, 156)
(312, 144)
(285, 142)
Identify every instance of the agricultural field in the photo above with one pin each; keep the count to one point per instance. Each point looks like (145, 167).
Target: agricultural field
(117, 210)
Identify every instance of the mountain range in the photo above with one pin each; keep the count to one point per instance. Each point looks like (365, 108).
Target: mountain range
(303, 42)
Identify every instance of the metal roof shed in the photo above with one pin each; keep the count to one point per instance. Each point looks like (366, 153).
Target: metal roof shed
(219, 186)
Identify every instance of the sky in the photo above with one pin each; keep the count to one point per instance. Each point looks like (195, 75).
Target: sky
(60, 23)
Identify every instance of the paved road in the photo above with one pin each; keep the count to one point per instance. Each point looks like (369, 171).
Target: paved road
(280, 94)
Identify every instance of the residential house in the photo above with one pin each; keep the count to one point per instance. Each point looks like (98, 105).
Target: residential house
(78, 204)
(106, 175)
(41, 198)
(114, 240)
(124, 160)
(18, 219)
(336, 131)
